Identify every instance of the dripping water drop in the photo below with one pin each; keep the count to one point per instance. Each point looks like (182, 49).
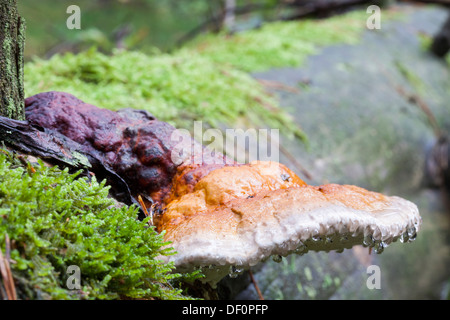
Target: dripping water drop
(379, 247)
(368, 240)
(277, 258)
(235, 271)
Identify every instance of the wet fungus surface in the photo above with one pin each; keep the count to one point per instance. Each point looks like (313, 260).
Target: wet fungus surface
(222, 215)
(131, 142)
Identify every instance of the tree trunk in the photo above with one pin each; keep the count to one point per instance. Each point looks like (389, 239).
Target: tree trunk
(12, 42)
(229, 15)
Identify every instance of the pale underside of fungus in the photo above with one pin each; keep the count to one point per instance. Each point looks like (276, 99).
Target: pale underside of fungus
(238, 216)
(223, 216)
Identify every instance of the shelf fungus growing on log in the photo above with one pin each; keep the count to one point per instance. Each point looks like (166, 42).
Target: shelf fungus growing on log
(232, 220)
(225, 216)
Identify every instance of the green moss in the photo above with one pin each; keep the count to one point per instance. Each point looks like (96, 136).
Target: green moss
(55, 219)
(281, 44)
(177, 88)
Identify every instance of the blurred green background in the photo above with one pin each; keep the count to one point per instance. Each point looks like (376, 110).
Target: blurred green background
(140, 24)
(149, 23)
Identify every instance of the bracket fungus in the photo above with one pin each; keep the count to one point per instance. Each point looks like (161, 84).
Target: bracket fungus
(233, 220)
(226, 216)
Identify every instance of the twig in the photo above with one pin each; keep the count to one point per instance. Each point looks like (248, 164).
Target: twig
(414, 99)
(295, 162)
(418, 101)
(144, 208)
(5, 287)
(5, 271)
(8, 269)
(255, 284)
(278, 85)
(291, 158)
(288, 155)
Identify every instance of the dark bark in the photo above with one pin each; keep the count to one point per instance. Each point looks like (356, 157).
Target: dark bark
(441, 42)
(445, 3)
(323, 8)
(129, 148)
(59, 150)
(304, 9)
(12, 39)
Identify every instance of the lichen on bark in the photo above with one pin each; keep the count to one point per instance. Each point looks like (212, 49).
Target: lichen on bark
(12, 39)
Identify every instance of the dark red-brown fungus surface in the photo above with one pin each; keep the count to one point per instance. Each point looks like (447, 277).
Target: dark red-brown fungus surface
(133, 143)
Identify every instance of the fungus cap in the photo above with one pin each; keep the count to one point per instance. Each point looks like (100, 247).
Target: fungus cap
(291, 218)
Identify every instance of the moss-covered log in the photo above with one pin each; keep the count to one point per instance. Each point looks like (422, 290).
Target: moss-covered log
(12, 40)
